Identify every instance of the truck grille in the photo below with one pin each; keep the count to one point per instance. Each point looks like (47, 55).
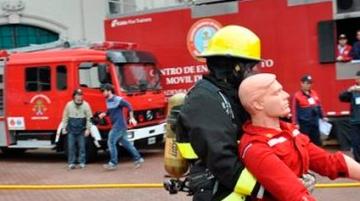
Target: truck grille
(143, 116)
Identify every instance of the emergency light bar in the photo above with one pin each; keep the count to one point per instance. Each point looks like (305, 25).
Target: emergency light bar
(108, 45)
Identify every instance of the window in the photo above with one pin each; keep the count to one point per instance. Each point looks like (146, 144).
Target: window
(347, 6)
(18, 35)
(326, 41)
(37, 79)
(61, 78)
(328, 38)
(121, 7)
(139, 76)
(89, 78)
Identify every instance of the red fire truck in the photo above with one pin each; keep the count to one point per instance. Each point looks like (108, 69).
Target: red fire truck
(36, 85)
(298, 37)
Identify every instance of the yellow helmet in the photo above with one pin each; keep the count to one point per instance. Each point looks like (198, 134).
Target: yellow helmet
(234, 41)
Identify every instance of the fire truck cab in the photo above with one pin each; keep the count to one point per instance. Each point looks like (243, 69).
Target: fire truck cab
(36, 86)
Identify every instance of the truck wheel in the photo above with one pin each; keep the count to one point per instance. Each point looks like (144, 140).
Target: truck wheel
(12, 152)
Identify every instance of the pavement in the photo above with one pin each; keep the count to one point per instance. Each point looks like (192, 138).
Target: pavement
(47, 167)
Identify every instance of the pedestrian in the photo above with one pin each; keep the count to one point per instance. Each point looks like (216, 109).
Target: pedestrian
(76, 124)
(118, 133)
(209, 122)
(352, 96)
(275, 151)
(356, 47)
(307, 110)
(343, 53)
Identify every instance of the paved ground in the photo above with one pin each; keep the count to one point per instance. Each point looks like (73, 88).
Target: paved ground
(46, 167)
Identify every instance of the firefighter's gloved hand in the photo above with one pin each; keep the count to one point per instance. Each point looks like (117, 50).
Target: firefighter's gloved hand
(309, 181)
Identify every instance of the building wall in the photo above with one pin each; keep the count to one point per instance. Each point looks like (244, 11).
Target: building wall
(126, 7)
(71, 19)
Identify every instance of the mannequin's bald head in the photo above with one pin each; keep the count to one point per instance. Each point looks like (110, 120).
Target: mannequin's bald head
(253, 88)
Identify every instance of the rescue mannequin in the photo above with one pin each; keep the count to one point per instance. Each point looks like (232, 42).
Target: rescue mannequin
(275, 152)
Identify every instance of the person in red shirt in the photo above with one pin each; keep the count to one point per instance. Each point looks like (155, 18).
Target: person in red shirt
(307, 110)
(343, 51)
(275, 152)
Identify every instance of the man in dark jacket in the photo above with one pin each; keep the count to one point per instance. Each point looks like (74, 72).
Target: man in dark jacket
(352, 95)
(211, 118)
(76, 124)
(356, 47)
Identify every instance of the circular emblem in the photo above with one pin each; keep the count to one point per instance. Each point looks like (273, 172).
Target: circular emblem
(199, 35)
(39, 107)
(40, 103)
(149, 115)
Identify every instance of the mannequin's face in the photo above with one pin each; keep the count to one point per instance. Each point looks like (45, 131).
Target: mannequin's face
(275, 102)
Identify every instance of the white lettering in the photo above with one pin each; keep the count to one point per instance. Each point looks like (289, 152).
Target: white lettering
(177, 70)
(201, 69)
(189, 70)
(39, 118)
(172, 71)
(116, 23)
(180, 80)
(171, 92)
(197, 77)
(267, 63)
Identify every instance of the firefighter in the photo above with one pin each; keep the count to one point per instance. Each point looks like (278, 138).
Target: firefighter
(209, 123)
(352, 96)
(76, 124)
(275, 151)
(307, 110)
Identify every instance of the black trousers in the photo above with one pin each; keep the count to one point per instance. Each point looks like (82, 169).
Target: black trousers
(205, 195)
(355, 141)
(311, 130)
(201, 187)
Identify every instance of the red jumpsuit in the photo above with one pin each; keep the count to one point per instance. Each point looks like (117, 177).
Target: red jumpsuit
(279, 158)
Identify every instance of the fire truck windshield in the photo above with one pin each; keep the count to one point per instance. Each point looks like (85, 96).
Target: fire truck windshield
(139, 77)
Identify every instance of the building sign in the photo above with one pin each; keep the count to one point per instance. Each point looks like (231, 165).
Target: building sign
(199, 35)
